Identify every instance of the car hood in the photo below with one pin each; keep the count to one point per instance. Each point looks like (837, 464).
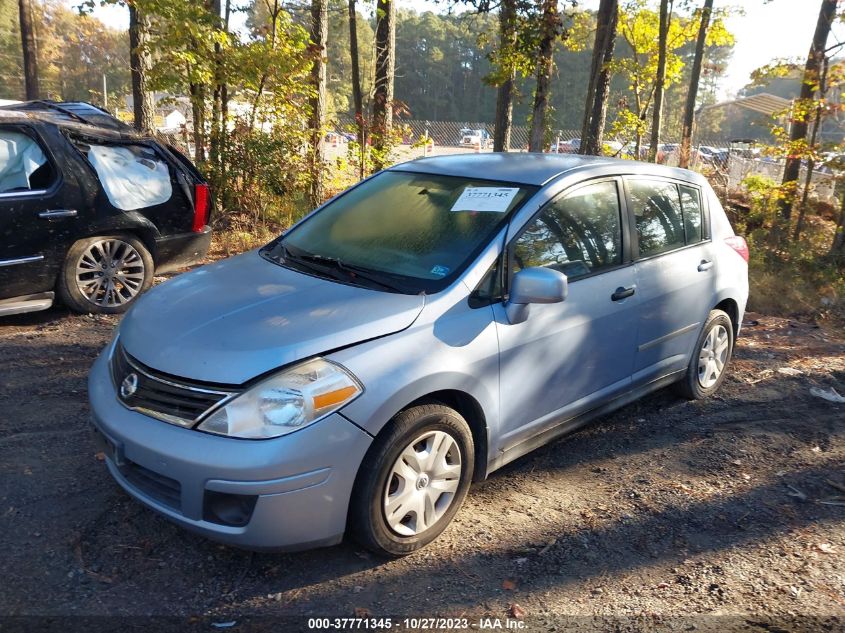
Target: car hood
(244, 316)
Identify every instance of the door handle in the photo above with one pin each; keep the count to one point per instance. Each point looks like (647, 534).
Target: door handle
(623, 293)
(54, 214)
(705, 264)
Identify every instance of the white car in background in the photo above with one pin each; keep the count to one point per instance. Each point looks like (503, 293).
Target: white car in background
(480, 138)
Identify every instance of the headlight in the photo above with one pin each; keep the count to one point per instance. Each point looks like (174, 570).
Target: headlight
(289, 400)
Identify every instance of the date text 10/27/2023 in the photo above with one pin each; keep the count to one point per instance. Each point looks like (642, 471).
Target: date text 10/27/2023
(413, 624)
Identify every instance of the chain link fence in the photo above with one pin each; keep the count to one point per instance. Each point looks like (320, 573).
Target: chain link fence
(725, 162)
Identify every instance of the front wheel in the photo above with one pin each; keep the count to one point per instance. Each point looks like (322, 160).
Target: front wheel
(412, 481)
(708, 365)
(105, 274)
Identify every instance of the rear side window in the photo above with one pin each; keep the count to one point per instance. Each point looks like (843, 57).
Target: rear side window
(657, 209)
(578, 234)
(691, 207)
(23, 165)
(133, 176)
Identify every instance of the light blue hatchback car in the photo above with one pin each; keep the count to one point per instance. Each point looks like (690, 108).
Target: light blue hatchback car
(413, 334)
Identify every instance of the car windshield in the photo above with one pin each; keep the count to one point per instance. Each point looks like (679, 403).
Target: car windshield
(401, 231)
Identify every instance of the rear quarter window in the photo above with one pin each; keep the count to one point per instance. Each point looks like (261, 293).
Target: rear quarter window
(133, 176)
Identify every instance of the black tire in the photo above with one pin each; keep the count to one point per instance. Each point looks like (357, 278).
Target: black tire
(368, 523)
(143, 267)
(691, 386)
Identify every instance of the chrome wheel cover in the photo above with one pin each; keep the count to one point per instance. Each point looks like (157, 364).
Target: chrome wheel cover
(713, 356)
(110, 273)
(423, 483)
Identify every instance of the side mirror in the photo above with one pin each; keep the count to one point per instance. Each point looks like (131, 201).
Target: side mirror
(534, 285)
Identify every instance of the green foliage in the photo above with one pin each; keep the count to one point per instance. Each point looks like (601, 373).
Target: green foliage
(638, 58)
(788, 279)
(74, 52)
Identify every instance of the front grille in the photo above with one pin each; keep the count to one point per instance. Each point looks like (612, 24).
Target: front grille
(163, 489)
(160, 395)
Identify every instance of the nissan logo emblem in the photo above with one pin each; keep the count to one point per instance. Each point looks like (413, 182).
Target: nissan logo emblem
(129, 385)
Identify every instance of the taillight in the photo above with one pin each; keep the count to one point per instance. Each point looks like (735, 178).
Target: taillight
(200, 207)
(738, 243)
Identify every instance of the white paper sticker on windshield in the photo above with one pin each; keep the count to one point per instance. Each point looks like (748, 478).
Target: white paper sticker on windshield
(497, 199)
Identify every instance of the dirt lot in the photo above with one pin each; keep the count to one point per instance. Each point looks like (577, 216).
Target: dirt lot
(667, 508)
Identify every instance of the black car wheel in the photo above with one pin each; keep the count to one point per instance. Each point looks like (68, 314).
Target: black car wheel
(105, 274)
(412, 481)
(708, 365)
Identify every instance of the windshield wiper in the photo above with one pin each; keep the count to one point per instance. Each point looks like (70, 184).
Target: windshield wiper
(333, 266)
(352, 270)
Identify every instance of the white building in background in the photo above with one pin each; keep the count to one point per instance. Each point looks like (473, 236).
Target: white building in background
(173, 121)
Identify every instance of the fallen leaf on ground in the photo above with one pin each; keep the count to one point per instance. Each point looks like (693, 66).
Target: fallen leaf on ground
(515, 611)
(508, 584)
(362, 612)
(100, 456)
(827, 548)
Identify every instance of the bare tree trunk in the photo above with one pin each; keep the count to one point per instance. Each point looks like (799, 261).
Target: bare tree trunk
(214, 145)
(197, 92)
(274, 19)
(385, 71)
(837, 249)
(811, 163)
(221, 199)
(545, 63)
(827, 12)
(357, 97)
(504, 92)
(319, 37)
(143, 101)
(30, 50)
(595, 108)
(659, 85)
(692, 93)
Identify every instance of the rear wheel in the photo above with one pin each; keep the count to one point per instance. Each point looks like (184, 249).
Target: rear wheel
(105, 274)
(412, 481)
(710, 358)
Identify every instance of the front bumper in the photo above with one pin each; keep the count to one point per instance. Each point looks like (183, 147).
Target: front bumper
(300, 484)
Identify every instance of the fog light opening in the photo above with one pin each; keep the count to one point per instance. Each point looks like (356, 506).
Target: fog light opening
(228, 509)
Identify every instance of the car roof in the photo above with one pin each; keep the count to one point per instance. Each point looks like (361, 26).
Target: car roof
(535, 168)
(77, 115)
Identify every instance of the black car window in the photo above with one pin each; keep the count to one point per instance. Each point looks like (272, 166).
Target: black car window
(577, 234)
(657, 208)
(691, 207)
(23, 164)
(133, 176)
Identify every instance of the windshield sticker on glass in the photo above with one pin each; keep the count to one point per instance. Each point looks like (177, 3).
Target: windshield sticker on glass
(440, 271)
(496, 199)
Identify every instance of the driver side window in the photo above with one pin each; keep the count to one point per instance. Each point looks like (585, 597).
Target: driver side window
(577, 234)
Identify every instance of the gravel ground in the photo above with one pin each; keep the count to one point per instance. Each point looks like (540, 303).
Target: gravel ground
(712, 515)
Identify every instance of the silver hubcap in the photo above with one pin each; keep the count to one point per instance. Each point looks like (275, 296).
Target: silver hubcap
(110, 273)
(422, 483)
(713, 356)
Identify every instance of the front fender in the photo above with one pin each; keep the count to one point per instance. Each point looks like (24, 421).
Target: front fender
(399, 369)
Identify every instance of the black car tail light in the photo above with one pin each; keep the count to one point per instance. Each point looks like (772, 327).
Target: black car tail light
(200, 207)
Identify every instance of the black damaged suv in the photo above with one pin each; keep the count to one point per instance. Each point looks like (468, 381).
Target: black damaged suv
(90, 210)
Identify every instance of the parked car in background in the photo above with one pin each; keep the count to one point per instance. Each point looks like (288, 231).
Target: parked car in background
(570, 146)
(415, 333)
(477, 138)
(90, 210)
(712, 156)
